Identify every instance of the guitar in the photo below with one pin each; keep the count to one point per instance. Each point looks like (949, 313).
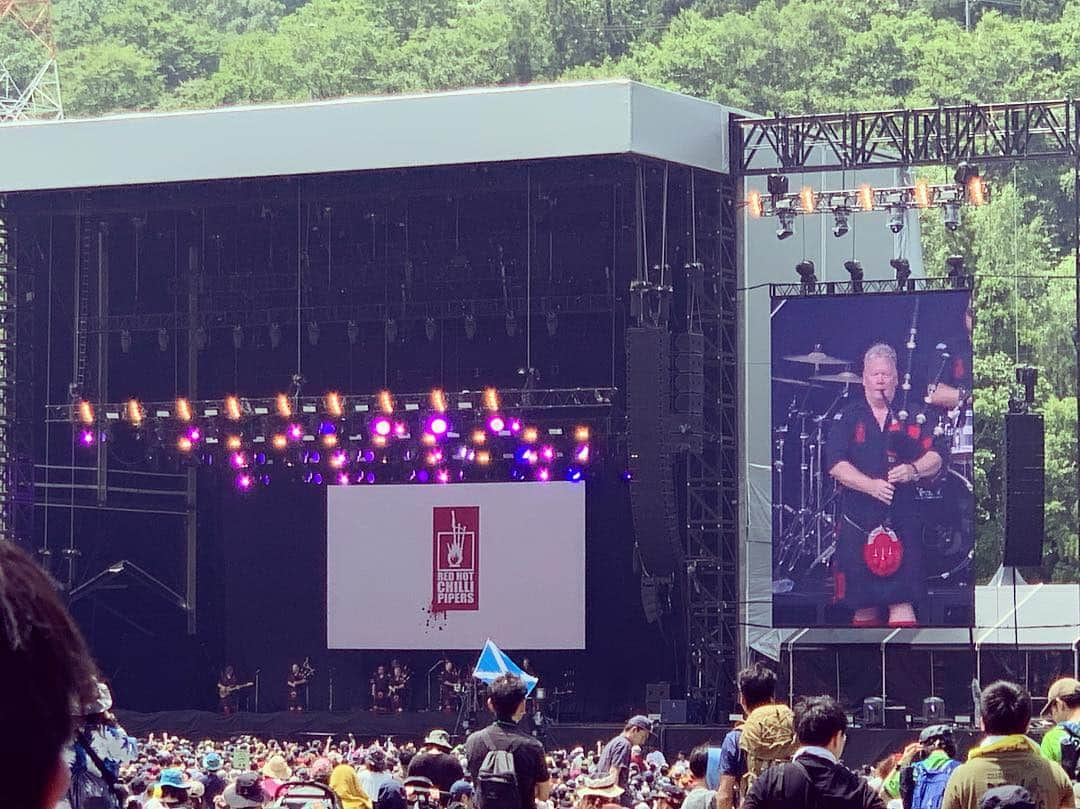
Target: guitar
(225, 690)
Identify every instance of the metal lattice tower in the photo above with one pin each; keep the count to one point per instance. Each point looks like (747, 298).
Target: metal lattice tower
(29, 79)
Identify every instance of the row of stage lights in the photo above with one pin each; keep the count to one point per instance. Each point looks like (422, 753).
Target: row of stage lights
(956, 271)
(342, 445)
(969, 188)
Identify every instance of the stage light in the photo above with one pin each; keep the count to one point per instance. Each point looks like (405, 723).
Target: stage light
(134, 412)
(422, 476)
(548, 453)
(338, 459)
(430, 329)
(233, 442)
(86, 438)
(238, 460)
(284, 406)
(957, 271)
(312, 458)
(183, 410)
(573, 475)
(755, 206)
(343, 479)
(582, 454)
(244, 481)
(368, 456)
(975, 192)
(840, 217)
(807, 201)
(233, 410)
(295, 432)
(903, 272)
(327, 428)
(496, 423)
(352, 331)
(386, 401)
(896, 217)
(438, 400)
(491, 399)
(581, 433)
(443, 476)
(378, 440)
(401, 429)
(530, 435)
(313, 333)
(786, 218)
(194, 434)
(807, 275)
(479, 437)
(777, 185)
(855, 270)
(515, 425)
(866, 197)
(544, 475)
(335, 405)
(950, 215)
(381, 426)
(924, 195)
(438, 426)
(470, 326)
(86, 412)
(369, 477)
(428, 440)
(483, 457)
(551, 321)
(259, 458)
(162, 340)
(329, 440)
(279, 441)
(275, 335)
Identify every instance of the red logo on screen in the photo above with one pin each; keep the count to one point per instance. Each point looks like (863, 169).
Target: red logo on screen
(456, 558)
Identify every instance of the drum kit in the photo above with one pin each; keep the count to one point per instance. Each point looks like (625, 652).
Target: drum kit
(806, 507)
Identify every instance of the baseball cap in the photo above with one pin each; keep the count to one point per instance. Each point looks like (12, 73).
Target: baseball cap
(1007, 797)
(1060, 689)
(639, 721)
(460, 788)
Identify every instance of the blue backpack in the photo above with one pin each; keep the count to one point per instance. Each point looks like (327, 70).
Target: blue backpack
(930, 785)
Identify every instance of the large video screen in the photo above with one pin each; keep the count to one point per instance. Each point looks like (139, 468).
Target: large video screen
(873, 460)
(447, 567)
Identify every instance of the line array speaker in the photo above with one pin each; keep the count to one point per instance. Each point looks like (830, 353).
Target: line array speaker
(1025, 489)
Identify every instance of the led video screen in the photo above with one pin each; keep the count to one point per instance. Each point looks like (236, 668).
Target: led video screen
(447, 567)
(872, 460)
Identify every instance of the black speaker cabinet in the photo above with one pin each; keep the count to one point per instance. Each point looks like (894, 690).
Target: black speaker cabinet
(1025, 489)
(673, 711)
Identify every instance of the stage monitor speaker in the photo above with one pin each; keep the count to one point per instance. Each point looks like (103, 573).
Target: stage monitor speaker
(655, 694)
(653, 504)
(673, 711)
(896, 717)
(1025, 489)
(873, 712)
(933, 710)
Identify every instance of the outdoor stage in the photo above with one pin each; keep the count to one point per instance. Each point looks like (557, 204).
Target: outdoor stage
(864, 746)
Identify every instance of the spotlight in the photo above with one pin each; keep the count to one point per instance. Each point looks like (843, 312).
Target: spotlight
(233, 442)
(896, 217)
(237, 337)
(866, 197)
(86, 438)
(855, 270)
(924, 197)
(386, 401)
(134, 412)
(511, 324)
(807, 275)
(967, 175)
(840, 216)
(807, 200)
(330, 440)
(194, 434)
(381, 426)
(573, 475)
(343, 479)
(515, 426)
(957, 271)
(163, 340)
(86, 412)
(552, 323)
(313, 333)
(183, 410)
(338, 459)
(582, 454)
(438, 425)
(491, 399)
(777, 185)
(295, 432)
(544, 475)
(275, 335)
(244, 481)
(279, 441)
(755, 206)
(530, 435)
(284, 406)
(581, 433)
(401, 429)
(786, 218)
(443, 476)
(125, 341)
(548, 453)
(470, 326)
(496, 423)
(438, 400)
(903, 272)
(950, 215)
(483, 457)
(335, 405)
(232, 408)
(353, 332)
(430, 329)
(238, 460)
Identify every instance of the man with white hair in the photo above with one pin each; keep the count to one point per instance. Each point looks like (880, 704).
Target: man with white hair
(877, 455)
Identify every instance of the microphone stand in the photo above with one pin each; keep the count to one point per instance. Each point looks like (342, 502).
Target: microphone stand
(330, 674)
(257, 673)
(428, 678)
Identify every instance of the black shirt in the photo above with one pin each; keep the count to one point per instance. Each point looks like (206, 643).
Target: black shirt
(617, 753)
(442, 769)
(530, 763)
(812, 781)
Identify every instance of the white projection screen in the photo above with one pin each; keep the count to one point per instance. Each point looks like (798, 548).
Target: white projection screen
(447, 567)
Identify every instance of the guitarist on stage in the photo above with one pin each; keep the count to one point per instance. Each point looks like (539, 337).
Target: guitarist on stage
(228, 699)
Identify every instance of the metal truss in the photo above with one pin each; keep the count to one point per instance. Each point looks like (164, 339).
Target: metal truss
(712, 475)
(364, 313)
(38, 95)
(912, 137)
(827, 288)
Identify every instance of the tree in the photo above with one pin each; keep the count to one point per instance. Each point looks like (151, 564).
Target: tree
(106, 77)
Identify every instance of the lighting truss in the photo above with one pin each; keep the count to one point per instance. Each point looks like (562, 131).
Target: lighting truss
(866, 198)
(879, 287)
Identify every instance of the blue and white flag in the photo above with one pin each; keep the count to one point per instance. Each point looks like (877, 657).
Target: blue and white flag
(494, 663)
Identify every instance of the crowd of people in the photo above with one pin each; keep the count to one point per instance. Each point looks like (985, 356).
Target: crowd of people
(62, 748)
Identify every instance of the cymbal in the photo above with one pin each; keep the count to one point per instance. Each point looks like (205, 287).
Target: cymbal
(816, 357)
(802, 383)
(844, 378)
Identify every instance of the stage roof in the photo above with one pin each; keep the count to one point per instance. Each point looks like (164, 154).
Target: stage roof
(357, 134)
(1046, 616)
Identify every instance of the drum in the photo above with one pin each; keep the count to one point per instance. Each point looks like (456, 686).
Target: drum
(947, 511)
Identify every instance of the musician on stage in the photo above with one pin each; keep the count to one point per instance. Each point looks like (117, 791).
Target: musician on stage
(380, 691)
(228, 698)
(954, 389)
(399, 688)
(449, 688)
(296, 684)
(876, 456)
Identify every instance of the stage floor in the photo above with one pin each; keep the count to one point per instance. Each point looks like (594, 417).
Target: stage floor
(865, 745)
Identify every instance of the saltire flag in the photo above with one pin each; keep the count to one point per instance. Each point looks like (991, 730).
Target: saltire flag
(493, 663)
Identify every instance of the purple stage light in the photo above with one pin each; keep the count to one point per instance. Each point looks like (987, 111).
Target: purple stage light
(582, 454)
(195, 434)
(422, 476)
(317, 478)
(515, 425)
(462, 452)
(548, 453)
(443, 476)
(296, 432)
(369, 456)
(628, 476)
(264, 480)
(496, 424)
(573, 475)
(243, 482)
(401, 429)
(327, 428)
(338, 459)
(237, 460)
(86, 438)
(369, 477)
(544, 475)
(382, 426)
(260, 458)
(343, 479)
(438, 426)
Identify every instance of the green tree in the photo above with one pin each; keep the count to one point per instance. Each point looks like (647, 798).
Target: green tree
(108, 76)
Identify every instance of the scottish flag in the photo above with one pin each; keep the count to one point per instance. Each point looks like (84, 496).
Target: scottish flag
(494, 663)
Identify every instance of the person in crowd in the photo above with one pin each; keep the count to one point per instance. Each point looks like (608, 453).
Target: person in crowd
(434, 761)
(196, 794)
(699, 796)
(275, 772)
(506, 699)
(213, 783)
(374, 773)
(246, 792)
(1007, 757)
(814, 777)
(924, 768)
(668, 795)
(391, 795)
(600, 793)
(346, 784)
(461, 795)
(174, 787)
(766, 736)
(1061, 743)
(47, 669)
(100, 748)
(617, 753)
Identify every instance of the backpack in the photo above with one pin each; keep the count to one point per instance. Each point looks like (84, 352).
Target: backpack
(930, 785)
(767, 739)
(1070, 751)
(496, 782)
